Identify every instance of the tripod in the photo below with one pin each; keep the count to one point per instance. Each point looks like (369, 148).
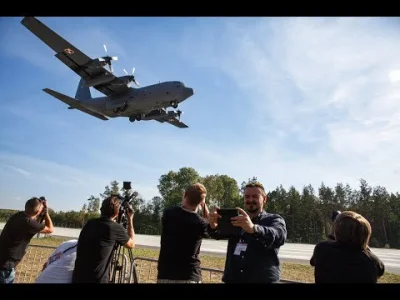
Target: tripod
(123, 267)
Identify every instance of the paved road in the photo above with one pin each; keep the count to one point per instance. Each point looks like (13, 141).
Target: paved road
(300, 253)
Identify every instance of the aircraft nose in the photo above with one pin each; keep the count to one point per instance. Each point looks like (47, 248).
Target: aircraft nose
(189, 92)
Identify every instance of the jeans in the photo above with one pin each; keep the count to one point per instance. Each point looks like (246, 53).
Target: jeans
(7, 276)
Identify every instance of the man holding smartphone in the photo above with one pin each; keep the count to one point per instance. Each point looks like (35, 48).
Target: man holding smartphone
(182, 232)
(252, 254)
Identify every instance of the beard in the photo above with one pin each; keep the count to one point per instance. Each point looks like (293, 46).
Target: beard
(252, 206)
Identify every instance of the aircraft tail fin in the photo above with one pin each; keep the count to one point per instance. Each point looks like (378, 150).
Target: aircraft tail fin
(83, 92)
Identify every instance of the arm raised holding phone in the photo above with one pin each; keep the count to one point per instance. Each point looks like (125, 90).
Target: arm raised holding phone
(254, 238)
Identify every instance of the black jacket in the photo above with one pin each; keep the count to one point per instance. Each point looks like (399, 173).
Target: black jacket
(335, 262)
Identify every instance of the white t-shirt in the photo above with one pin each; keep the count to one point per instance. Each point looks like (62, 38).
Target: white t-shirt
(60, 264)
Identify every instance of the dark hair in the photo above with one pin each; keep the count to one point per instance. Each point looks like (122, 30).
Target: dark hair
(110, 206)
(32, 206)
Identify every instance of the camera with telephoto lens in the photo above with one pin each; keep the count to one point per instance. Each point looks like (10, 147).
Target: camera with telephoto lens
(44, 210)
(123, 271)
(126, 204)
(334, 215)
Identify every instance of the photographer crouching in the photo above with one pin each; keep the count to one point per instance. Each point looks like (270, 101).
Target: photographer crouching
(17, 234)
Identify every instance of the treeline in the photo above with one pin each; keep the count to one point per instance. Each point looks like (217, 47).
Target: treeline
(307, 212)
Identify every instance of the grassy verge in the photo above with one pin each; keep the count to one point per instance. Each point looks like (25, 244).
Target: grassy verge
(147, 270)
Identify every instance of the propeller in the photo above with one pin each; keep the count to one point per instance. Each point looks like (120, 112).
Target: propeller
(108, 58)
(131, 78)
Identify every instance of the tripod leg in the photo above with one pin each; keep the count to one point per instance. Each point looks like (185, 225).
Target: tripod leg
(128, 263)
(115, 264)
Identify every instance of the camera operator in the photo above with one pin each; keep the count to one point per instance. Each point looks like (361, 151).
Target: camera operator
(17, 234)
(182, 232)
(97, 240)
(252, 254)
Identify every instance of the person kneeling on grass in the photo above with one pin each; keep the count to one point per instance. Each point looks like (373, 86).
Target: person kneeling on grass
(60, 265)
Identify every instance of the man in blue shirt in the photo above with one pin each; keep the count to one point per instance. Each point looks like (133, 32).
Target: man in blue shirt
(252, 254)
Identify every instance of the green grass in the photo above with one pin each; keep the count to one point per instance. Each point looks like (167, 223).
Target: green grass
(147, 270)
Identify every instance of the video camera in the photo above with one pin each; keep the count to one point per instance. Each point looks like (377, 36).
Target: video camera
(126, 204)
(334, 215)
(126, 267)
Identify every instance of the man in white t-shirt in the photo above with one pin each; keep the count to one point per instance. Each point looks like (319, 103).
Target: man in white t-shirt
(60, 265)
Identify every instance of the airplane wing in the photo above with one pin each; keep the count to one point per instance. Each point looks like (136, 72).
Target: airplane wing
(173, 121)
(72, 57)
(73, 104)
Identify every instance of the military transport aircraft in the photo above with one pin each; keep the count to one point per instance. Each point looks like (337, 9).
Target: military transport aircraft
(121, 100)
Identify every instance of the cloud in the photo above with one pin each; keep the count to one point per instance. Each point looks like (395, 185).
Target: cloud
(322, 91)
(291, 100)
(394, 75)
(18, 170)
(65, 186)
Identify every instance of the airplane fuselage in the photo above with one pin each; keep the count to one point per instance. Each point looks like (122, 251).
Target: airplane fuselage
(139, 101)
(120, 100)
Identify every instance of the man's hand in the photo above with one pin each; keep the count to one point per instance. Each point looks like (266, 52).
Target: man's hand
(204, 210)
(243, 221)
(130, 212)
(44, 209)
(213, 218)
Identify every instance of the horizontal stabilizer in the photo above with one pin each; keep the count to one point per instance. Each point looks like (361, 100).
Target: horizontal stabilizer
(73, 103)
(174, 121)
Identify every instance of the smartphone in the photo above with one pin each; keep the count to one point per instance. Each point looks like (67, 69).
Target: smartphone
(227, 213)
(225, 224)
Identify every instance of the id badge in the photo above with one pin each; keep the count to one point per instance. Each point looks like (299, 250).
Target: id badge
(239, 248)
